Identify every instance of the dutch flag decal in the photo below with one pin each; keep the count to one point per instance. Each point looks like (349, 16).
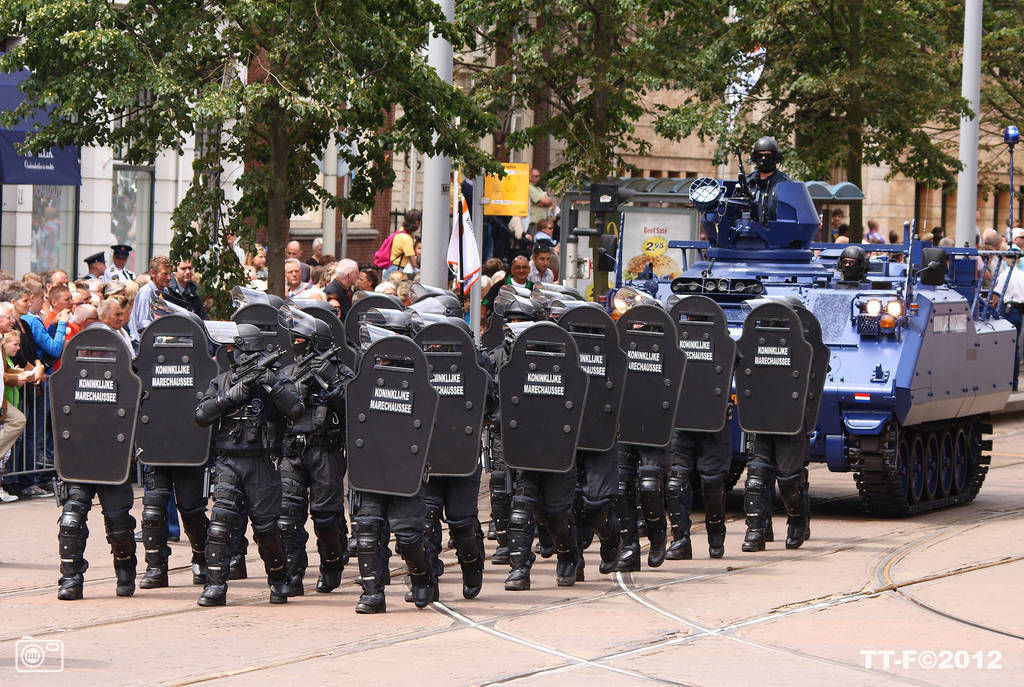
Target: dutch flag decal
(862, 398)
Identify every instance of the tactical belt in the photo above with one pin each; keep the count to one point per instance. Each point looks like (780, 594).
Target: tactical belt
(293, 440)
(243, 452)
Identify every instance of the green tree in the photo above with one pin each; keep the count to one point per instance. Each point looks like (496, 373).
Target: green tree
(589, 70)
(262, 84)
(843, 84)
(1002, 86)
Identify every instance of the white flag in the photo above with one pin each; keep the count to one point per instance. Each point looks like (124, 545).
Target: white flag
(470, 253)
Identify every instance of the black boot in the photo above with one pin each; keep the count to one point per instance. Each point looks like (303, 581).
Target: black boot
(754, 496)
(544, 546)
(605, 524)
(121, 536)
(195, 526)
(501, 507)
(70, 587)
(469, 548)
(71, 538)
(275, 562)
(215, 592)
(521, 558)
(714, 517)
(791, 489)
(629, 551)
(367, 535)
(421, 571)
(652, 497)
(332, 556)
(292, 526)
(678, 504)
(154, 537)
(565, 547)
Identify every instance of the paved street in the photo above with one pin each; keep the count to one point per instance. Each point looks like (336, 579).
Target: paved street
(864, 602)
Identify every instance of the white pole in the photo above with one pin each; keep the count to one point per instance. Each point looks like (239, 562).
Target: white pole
(970, 89)
(331, 186)
(437, 172)
(413, 171)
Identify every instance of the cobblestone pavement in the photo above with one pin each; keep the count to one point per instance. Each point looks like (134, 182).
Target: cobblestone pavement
(932, 600)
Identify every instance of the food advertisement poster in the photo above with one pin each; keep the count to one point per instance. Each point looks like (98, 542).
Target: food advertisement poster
(645, 240)
(510, 195)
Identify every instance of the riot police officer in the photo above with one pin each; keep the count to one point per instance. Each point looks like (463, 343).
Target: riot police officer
(312, 461)
(99, 395)
(248, 404)
(766, 157)
(378, 502)
(464, 380)
(116, 501)
(710, 454)
(853, 264)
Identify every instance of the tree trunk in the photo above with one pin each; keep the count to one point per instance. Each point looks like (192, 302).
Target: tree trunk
(604, 47)
(277, 218)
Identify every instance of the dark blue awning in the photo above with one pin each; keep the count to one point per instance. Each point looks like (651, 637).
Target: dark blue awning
(55, 166)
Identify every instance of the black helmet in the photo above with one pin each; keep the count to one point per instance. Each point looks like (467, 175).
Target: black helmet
(853, 263)
(445, 303)
(249, 338)
(766, 154)
(314, 334)
(514, 307)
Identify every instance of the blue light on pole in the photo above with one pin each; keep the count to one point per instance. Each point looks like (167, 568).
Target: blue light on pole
(1010, 137)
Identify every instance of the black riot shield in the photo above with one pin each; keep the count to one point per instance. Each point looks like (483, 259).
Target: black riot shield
(175, 366)
(323, 312)
(94, 400)
(390, 410)
(494, 337)
(819, 366)
(604, 361)
(710, 353)
(461, 384)
(354, 315)
(773, 371)
(264, 316)
(654, 375)
(542, 393)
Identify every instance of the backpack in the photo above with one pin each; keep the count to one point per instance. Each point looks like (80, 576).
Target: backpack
(382, 258)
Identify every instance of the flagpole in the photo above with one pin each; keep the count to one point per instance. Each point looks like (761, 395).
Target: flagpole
(457, 219)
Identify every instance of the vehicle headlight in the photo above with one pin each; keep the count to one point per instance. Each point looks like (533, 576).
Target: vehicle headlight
(873, 307)
(894, 308)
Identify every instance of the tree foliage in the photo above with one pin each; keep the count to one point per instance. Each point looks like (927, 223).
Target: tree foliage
(146, 74)
(844, 83)
(592, 67)
(1002, 86)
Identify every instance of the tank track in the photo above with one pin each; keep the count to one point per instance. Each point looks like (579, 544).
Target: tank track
(873, 461)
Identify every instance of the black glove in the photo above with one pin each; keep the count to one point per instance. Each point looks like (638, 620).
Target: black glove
(328, 372)
(236, 396)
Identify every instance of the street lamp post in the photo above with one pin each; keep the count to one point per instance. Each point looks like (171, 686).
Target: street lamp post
(1010, 137)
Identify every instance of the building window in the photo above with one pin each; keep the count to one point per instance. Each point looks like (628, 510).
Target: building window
(131, 218)
(53, 228)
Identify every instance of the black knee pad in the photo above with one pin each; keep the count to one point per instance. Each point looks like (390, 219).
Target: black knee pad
(222, 526)
(368, 533)
(500, 483)
(72, 517)
(520, 519)
(677, 482)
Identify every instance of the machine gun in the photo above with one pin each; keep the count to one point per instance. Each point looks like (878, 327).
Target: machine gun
(306, 368)
(251, 366)
(742, 188)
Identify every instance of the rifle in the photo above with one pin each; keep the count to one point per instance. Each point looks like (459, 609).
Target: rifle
(742, 188)
(251, 366)
(306, 368)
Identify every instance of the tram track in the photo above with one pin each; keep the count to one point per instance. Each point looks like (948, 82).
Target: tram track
(462, 620)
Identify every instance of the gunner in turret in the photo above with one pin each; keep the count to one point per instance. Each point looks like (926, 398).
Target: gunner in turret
(766, 156)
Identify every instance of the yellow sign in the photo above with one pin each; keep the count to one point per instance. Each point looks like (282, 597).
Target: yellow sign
(509, 196)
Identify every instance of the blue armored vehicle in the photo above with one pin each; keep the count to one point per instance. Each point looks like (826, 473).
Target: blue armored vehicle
(918, 357)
